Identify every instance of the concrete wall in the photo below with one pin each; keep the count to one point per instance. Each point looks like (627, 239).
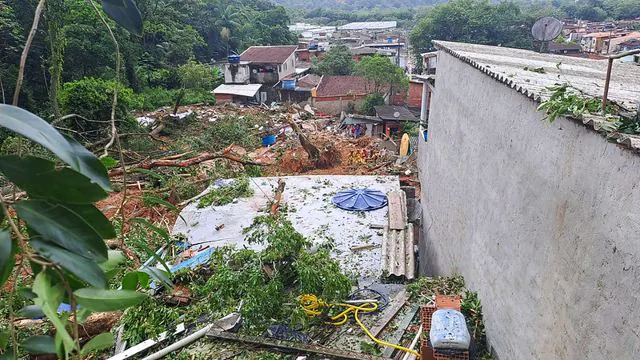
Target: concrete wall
(336, 105)
(543, 220)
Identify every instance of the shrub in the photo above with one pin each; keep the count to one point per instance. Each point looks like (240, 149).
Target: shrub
(370, 102)
(154, 98)
(92, 99)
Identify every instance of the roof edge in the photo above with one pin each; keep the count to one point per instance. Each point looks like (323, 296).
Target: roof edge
(591, 122)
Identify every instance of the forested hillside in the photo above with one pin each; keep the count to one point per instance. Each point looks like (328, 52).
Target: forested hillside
(73, 51)
(355, 4)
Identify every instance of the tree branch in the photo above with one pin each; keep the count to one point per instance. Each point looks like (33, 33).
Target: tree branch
(25, 51)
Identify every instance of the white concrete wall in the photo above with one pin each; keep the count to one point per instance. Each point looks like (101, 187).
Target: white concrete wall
(288, 67)
(543, 220)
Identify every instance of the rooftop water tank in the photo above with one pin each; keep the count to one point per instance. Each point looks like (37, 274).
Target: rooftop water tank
(234, 59)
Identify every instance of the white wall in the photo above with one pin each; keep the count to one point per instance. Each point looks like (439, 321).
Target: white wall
(543, 220)
(288, 67)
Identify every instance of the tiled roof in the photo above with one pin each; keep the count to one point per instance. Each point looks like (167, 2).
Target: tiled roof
(389, 112)
(268, 54)
(512, 68)
(342, 86)
(309, 81)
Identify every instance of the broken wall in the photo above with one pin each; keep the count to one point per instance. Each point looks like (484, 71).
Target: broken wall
(541, 219)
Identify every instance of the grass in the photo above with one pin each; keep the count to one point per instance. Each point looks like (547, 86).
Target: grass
(225, 194)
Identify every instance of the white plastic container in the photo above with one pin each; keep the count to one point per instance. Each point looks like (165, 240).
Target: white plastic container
(449, 330)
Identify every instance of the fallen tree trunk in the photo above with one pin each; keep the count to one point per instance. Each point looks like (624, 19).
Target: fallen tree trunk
(226, 154)
(278, 197)
(312, 150)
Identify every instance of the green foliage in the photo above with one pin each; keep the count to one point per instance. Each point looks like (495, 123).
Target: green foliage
(423, 289)
(565, 100)
(383, 74)
(91, 98)
(229, 130)
(473, 21)
(64, 234)
(267, 282)
(194, 75)
(337, 61)
(154, 98)
(370, 102)
(225, 194)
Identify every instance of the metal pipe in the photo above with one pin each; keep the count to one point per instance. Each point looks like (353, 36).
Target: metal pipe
(180, 344)
(607, 80)
(423, 109)
(409, 356)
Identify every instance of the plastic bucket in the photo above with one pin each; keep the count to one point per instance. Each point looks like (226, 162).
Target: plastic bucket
(268, 140)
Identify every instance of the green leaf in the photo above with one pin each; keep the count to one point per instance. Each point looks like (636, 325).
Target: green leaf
(125, 13)
(40, 179)
(40, 345)
(158, 275)
(160, 231)
(85, 269)
(131, 280)
(108, 300)
(59, 224)
(73, 154)
(109, 162)
(49, 298)
(95, 218)
(4, 339)
(31, 312)
(115, 258)
(7, 256)
(99, 342)
(158, 201)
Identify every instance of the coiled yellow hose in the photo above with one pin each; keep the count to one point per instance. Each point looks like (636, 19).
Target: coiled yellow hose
(313, 306)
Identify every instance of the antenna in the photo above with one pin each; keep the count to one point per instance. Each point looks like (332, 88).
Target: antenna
(546, 29)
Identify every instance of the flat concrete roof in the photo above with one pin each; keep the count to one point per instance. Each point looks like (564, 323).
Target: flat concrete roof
(508, 65)
(369, 25)
(311, 212)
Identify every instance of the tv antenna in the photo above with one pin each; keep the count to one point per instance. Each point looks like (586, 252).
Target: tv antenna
(545, 30)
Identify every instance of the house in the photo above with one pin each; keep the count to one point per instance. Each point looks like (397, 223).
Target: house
(239, 93)
(368, 25)
(336, 94)
(564, 48)
(534, 214)
(598, 42)
(394, 118)
(622, 43)
(298, 89)
(429, 62)
(270, 64)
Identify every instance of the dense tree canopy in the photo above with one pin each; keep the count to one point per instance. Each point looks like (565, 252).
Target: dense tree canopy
(175, 31)
(337, 61)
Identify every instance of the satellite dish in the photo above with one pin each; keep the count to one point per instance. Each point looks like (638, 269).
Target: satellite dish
(396, 114)
(546, 29)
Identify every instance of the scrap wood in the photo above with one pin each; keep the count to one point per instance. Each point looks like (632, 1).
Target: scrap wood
(391, 311)
(365, 247)
(278, 197)
(187, 162)
(290, 345)
(397, 335)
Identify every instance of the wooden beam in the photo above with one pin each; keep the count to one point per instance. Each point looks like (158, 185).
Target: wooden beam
(390, 312)
(290, 345)
(397, 336)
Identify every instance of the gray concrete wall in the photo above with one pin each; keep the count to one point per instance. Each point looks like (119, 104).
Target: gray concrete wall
(542, 220)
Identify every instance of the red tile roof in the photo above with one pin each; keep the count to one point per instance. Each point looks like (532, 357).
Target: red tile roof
(343, 86)
(268, 54)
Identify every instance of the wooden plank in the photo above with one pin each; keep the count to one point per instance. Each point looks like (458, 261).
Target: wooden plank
(390, 312)
(290, 345)
(395, 338)
(397, 210)
(410, 260)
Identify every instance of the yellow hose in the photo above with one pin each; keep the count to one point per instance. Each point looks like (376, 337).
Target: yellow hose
(312, 306)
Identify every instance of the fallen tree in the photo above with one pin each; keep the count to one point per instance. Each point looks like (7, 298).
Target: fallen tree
(150, 164)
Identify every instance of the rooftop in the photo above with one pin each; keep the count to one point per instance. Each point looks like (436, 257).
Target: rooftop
(309, 81)
(268, 54)
(311, 212)
(394, 113)
(342, 86)
(369, 25)
(248, 90)
(513, 67)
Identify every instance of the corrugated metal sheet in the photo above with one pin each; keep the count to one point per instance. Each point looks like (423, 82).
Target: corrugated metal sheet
(398, 256)
(249, 90)
(369, 25)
